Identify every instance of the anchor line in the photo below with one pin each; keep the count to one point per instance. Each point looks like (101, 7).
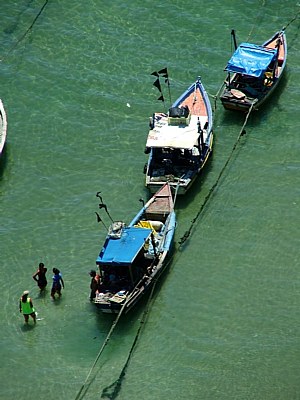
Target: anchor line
(187, 233)
(291, 21)
(27, 31)
(259, 16)
(100, 352)
(116, 386)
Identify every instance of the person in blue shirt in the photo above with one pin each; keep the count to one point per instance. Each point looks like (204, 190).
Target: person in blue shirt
(57, 283)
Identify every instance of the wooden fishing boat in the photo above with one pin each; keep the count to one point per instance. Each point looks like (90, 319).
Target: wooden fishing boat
(179, 142)
(254, 73)
(134, 256)
(3, 127)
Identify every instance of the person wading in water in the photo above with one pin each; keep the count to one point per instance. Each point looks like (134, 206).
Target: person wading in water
(40, 276)
(26, 307)
(57, 283)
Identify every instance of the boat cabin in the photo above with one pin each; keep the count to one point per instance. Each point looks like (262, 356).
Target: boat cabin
(130, 251)
(255, 68)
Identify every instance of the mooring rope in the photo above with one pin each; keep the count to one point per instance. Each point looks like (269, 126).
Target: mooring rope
(241, 133)
(111, 392)
(291, 21)
(101, 350)
(27, 31)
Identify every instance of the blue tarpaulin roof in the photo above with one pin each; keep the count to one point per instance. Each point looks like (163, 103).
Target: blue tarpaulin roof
(250, 59)
(123, 251)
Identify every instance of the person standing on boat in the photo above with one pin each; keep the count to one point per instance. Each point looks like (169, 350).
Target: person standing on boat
(40, 276)
(26, 307)
(58, 282)
(95, 284)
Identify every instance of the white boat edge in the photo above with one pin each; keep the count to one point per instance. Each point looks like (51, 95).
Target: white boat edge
(3, 127)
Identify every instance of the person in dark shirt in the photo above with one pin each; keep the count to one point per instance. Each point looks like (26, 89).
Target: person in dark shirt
(95, 284)
(40, 277)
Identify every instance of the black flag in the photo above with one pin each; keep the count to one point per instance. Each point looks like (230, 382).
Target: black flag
(157, 84)
(103, 206)
(164, 72)
(155, 73)
(98, 217)
(100, 220)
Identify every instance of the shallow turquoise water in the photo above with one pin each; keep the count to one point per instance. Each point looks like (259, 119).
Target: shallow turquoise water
(224, 323)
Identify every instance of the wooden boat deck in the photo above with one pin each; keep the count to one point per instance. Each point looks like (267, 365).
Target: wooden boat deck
(163, 202)
(281, 52)
(196, 103)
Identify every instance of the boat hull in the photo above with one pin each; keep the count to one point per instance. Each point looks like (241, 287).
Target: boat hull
(241, 93)
(180, 147)
(138, 255)
(185, 185)
(3, 127)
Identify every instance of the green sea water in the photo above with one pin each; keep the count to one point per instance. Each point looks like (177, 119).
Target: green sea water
(76, 85)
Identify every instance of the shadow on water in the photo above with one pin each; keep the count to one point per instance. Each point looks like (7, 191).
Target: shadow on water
(294, 39)
(28, 327)
(235, 119)
(273, 103)
(139, 313)
(43, 294)
(256, 117)
(3, 161)
(183, 201)
(136, 317)
(10, 29)
(57, 301)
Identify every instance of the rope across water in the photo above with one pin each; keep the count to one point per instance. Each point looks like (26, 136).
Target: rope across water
(194, 220)
(111, 392)
(27, 31)
(241, 133)
(99, 354)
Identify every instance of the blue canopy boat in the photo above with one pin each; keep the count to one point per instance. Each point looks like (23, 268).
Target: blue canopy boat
(180, 141)
(253, 73)
(134, 256)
